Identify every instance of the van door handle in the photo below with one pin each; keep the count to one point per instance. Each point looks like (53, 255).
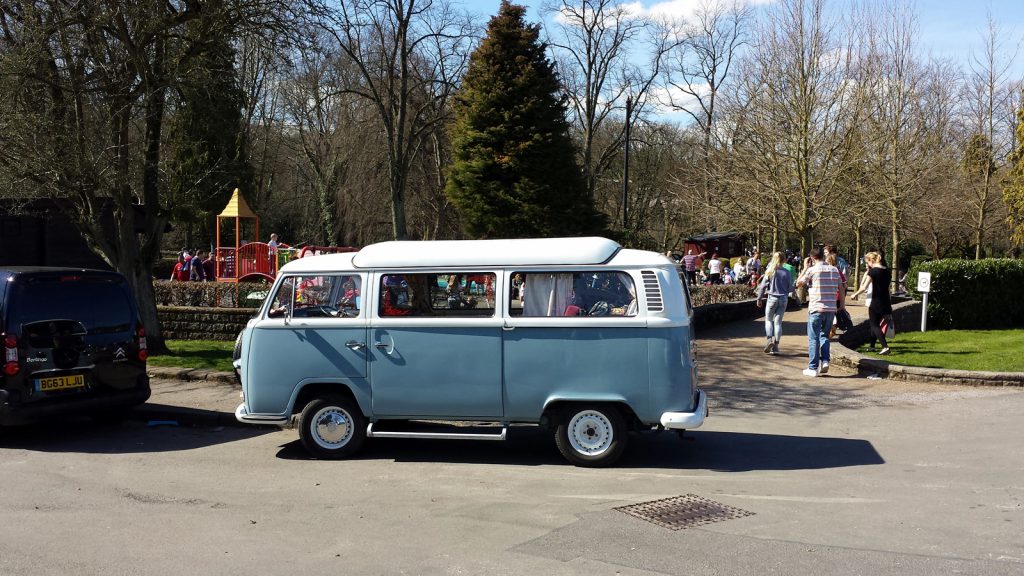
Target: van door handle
(380, 345)
(508, 328)
(357, 346)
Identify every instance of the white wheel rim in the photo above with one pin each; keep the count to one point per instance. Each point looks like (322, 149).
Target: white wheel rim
(331, 427)
(590, 433)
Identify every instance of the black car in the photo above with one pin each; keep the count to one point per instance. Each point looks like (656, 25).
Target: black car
(73, 344)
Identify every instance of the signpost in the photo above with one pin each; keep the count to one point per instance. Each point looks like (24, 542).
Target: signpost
(924, 285)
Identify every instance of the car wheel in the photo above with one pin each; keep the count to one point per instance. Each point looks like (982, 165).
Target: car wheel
(332, 427)
(592, 436)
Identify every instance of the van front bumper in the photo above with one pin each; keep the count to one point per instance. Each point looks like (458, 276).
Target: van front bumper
(687, 420)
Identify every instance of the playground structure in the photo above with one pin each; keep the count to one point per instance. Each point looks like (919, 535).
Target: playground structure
(255, 261)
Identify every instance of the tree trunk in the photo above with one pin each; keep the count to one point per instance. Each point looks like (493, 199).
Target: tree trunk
(857, 232)
(894, 258)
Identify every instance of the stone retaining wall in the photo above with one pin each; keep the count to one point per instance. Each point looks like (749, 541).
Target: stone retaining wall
(713, 314)
(181, 323)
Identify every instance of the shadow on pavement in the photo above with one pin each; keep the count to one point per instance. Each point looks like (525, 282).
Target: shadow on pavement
(754, 395)
(83, 435)
(713, 451)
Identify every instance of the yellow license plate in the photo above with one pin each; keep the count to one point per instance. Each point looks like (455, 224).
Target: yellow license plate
(60, 383)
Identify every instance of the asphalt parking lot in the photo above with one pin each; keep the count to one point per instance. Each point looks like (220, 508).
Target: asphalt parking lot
(837, 475)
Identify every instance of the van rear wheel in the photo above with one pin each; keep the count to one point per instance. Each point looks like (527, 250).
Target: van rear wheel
(332, 427)
(592, 435)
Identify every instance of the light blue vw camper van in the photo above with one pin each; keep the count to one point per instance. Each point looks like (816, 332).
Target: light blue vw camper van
(578, 335)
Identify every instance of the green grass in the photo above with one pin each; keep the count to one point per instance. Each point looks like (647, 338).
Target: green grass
(204, 354)
(991, 350)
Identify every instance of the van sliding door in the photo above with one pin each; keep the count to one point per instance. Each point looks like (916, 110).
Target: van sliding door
(435, 346)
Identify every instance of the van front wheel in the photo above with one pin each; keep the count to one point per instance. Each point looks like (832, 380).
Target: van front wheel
(332, 427)
(592, 436)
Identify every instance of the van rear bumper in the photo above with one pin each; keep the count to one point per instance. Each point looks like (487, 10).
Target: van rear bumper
(242, 415)
(687, 420)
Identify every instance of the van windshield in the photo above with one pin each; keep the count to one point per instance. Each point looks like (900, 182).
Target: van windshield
(101, 304)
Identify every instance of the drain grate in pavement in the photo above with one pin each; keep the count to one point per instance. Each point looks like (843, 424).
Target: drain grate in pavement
(679, 512)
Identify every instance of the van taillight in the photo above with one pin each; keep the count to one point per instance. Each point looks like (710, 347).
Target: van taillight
(140, 333)
(11, 366)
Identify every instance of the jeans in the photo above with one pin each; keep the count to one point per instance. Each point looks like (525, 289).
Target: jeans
(818, 326)
(773, 311)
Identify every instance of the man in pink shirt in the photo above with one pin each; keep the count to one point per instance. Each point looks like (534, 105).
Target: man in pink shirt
(822, 281)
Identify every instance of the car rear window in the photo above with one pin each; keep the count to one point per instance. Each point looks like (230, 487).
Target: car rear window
(102, 305)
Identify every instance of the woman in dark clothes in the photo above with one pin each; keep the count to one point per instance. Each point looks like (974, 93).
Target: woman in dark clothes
(877, 279)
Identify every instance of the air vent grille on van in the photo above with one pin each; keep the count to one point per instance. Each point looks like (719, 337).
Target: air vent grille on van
(653, 291)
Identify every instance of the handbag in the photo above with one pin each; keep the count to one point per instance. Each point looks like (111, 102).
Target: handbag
(888, 326)
(843, 320)
(762, 290)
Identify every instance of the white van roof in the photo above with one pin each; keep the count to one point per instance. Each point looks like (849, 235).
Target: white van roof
(480, 253)
(519, 252)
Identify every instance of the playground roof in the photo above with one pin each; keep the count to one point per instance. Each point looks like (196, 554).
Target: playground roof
(237, 207)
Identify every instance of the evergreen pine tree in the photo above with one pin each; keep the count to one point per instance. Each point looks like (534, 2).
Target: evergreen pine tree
(207, 138)
(1013, 189)
(514, 171)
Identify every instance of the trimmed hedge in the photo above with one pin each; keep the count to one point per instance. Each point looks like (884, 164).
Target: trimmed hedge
(973, 294)
(210, 294)
(252, 294)
(718, 294)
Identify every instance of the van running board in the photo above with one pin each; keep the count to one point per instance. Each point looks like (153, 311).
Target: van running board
(449, 435)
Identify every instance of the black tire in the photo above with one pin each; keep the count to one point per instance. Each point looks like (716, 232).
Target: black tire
(592, 435)
(332, 427)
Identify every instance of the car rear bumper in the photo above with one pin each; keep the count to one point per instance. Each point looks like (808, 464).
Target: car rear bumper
(687, 420)
(20, 414)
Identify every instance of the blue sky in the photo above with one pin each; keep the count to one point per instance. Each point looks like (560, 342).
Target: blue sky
(949, 28)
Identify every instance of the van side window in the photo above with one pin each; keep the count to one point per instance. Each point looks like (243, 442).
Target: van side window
(437, 294)
(319, 296)
(572, 294)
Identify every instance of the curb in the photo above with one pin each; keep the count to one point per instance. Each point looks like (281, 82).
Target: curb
(843, 356)
(847, 358)
(158, 414)
(192, 374)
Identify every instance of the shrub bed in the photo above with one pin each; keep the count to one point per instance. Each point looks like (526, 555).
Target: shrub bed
(718, 294)
(210, 294)
(972, 294)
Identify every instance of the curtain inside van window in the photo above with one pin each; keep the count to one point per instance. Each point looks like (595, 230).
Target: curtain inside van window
(547, 294)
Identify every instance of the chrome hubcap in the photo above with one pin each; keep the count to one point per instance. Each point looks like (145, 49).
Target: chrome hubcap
(332, 427)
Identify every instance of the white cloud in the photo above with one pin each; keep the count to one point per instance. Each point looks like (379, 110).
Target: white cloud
(685, 9)
(672, 101)
(668, 9)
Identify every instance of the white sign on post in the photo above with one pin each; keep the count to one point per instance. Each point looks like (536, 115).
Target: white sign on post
(924, 285)
(924, 281)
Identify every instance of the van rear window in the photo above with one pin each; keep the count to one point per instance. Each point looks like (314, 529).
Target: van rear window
(572, 294)
(102, 305)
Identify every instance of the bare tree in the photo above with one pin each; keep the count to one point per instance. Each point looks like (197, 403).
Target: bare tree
(792, 121)
(86, 92)
(408, 54)
(696, 70)
(596, 43)
(900, 143)
(987, 105)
